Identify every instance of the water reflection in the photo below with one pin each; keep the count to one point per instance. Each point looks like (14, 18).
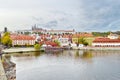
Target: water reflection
(87, 54)
(37, 54)
(68, 65)
(84, 54)
(77, 55)
(57, 54)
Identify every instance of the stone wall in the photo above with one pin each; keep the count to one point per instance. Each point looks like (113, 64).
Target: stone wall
(10, 69)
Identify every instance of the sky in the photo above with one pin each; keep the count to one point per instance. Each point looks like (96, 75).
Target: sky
(81, 15)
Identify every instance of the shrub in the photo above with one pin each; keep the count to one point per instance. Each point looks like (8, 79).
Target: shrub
(37, 46)
(85, 43)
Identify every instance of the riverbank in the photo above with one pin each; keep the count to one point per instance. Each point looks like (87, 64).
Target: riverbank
(19, 50)
(31, 49)
(96, 48)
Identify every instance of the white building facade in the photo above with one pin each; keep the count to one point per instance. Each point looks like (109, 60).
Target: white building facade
(64, 41)
(106, 42)
(22, 40)
(113, 36)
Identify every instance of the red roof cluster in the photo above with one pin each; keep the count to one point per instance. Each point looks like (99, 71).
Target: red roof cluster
(106, 40)
(83, 35)
(22, 37)
(49, 43)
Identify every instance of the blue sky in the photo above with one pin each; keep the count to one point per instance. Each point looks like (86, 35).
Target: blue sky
(81, 15)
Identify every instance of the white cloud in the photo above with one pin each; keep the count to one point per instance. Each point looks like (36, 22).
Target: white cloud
(83, 15)
(24, 13)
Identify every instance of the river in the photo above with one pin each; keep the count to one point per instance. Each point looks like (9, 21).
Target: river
(68, 65)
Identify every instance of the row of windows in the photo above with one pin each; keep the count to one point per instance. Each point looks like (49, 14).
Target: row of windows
(23, 43)
(107, 45)
(23, 40)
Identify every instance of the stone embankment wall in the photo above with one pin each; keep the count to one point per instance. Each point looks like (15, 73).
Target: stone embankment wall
(2, 72)
(10, 69)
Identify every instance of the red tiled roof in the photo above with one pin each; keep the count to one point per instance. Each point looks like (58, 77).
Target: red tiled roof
(49, 43)
(21, 37)
(106, 40)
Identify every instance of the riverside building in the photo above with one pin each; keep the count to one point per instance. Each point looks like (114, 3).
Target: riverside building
(106, 42)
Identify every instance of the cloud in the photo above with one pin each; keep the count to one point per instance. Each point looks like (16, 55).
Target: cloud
(51, 24)
(36, 18)
(58, 14)
(81, 15)
(56, 20)
(100, 14)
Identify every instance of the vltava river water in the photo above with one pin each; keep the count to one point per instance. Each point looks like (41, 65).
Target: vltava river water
(68, 65)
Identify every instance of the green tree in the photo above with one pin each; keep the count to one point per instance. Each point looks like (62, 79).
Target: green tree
(37, 46)
(103, 34)
(57, 42)
(82, 41)
(85, 43)
(26, 33)
(6, 40)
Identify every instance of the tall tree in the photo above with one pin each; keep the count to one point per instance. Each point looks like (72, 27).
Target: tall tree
(6, 40)
(82, 41)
